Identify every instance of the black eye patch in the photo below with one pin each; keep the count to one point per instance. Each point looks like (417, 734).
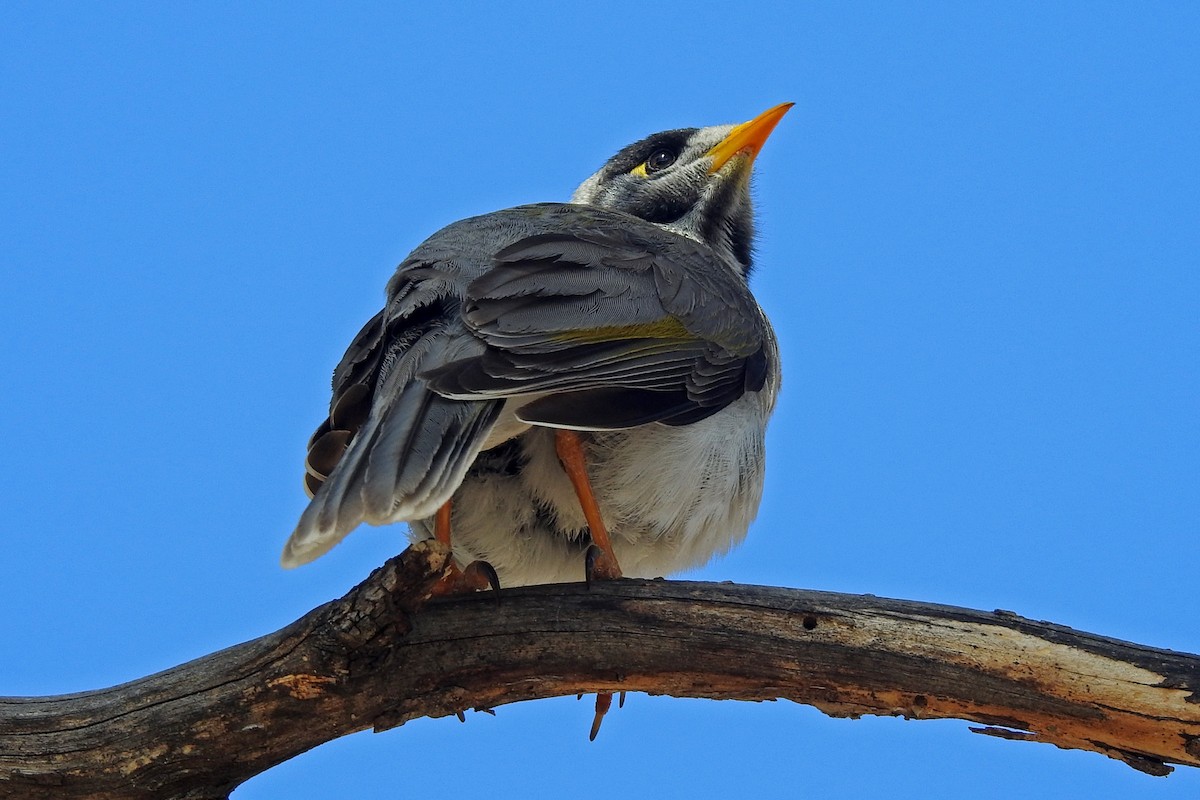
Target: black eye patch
(637, 153)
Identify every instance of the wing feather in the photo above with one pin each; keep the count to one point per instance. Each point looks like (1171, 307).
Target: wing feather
(602, 320)
(594, 309)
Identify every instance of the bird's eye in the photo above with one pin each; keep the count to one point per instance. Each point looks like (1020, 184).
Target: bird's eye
(660, 159)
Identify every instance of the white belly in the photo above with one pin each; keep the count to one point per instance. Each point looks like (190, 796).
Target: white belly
(672, 497)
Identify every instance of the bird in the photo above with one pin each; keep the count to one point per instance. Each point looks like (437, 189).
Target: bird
(565, 391)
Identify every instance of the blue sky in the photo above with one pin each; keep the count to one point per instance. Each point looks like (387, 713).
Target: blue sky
(979, 237)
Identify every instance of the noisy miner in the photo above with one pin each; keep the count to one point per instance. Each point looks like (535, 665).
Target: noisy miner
(565, 390)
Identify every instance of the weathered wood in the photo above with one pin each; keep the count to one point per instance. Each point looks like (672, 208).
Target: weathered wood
(371, 660)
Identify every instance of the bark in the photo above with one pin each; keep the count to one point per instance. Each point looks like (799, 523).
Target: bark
(381, 656)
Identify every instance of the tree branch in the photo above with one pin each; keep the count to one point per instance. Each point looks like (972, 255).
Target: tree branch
(371, 660)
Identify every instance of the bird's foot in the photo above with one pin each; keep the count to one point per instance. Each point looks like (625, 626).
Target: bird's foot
(603, 704)
(462, 715)
(600, 565)
(477, 576)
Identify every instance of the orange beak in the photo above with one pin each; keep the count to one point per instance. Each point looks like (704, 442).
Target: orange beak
(748, 137)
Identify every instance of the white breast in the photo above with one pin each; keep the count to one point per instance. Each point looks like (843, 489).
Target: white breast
(676, 496)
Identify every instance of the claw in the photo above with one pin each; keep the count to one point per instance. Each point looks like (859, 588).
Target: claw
(478, 575)
(462, 715)
(599, 566)
(482, 575)
(603, 704)
(589, 564)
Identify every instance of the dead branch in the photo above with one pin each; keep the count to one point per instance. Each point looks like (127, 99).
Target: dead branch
(371, 660)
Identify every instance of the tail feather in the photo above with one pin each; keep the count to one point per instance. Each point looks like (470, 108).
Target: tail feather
(379, 482)
(407, 458)
(456, 453)
(399, 448)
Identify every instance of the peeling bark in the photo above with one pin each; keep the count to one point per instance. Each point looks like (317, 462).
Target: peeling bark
(380, 656)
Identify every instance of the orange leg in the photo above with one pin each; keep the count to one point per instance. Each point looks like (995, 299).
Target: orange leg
(478, 574)
(441, 524)
(602, 561)
(569, 447)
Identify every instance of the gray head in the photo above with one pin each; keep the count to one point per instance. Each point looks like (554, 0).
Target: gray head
(694, 181)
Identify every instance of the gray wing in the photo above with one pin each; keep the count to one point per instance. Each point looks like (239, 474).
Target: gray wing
(609, 322)
(604, 320)
(391, 448)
